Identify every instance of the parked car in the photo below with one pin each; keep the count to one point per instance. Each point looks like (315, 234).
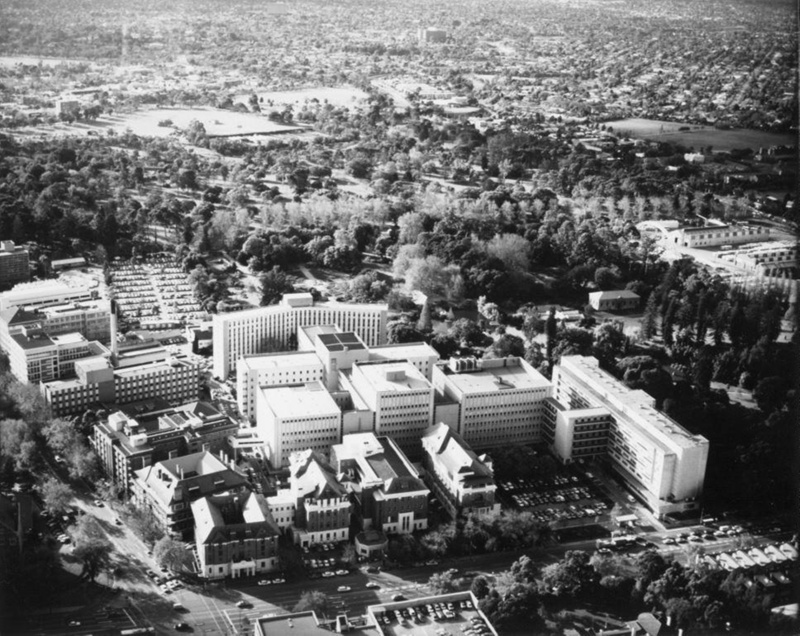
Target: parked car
(343, 588)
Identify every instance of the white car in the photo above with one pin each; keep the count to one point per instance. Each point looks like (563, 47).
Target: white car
(264, 582)
(342, 572)
(328, 574)
(343, 588)
(372, 585)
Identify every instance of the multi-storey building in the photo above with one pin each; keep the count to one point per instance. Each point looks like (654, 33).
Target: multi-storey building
(616, 300)
(148, 373)
(400, 399)
(169, 487)
(14, 264)
(144, 433)
(461, 480)
(273, 369)
(500, 401)
(91, 319)
(35, 357)
(43, 294)
(579, 433)
(316, 506)
(297, 417)
(388, 492)
(267, 328)
(235, 535)
(660, 460)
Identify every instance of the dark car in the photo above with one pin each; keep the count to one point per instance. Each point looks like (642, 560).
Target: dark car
(182, 627)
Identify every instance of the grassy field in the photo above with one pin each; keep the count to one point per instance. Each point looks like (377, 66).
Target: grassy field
(145, 123)
(700, 136)
(346, 96)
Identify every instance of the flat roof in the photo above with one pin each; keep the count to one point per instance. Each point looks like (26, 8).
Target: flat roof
(298, 624)
(341, 341)
(403, 350)
(393, 375)
(300, 400)
(38, 341)
(635, 406)
(283, 360)
(495, 379)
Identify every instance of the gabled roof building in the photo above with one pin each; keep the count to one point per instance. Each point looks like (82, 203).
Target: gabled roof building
(168, 488)
(235, 535)
(388, 491)
(463, 481)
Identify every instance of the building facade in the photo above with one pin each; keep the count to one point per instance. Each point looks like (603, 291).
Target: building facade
(715, 235)
(294, 418)
(322, 507)
(273, 369)
(461, 480)
(154, 374)
(500, 401)
(387, 490)
(235, 536)
(400, 399)
(660, 461)
(14, 264)
(620, 300)
(270, 328)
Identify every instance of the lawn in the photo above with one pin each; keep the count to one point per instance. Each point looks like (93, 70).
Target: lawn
(700, 136)
(347, 96)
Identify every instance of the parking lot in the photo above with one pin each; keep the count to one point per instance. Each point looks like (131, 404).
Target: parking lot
(323, 560)
(155, 292)
(562, 498)
(434, 619)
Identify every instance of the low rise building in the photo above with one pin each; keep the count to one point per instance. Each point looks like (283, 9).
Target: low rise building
(773, 258)
(461, 480)
(716, 235)
(143, 433)
(14, 264)
(43, 294)
(500, 401)
(617, 300)
(169, 487)
(296, 417)
(235, 535)
(388, 491)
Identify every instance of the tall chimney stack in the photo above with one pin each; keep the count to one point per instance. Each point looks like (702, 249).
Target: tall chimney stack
(114, 331)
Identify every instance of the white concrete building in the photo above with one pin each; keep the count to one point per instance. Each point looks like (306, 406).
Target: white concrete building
(660, 460)
(500, 400)
(401, 399)
(715, 235)
(615, 300)
(461, 480)
(258, 330)
(768, 259)
(43, 294)
(273, 369)
(294, 418)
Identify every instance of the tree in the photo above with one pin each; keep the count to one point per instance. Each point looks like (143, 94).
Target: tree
(480, 587)
(506, 345)
(425, 322)
(144, 523)
(314, 601)
(605, 278)
(56, 496)
(650, 317)
(95, 554)
(349, 555)
(467, 332)
(770, 393)
(512, 249)
(399, 331)
(172, 554)
(446, 582)
(274, 284)
(572, 576)
(609, 343)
